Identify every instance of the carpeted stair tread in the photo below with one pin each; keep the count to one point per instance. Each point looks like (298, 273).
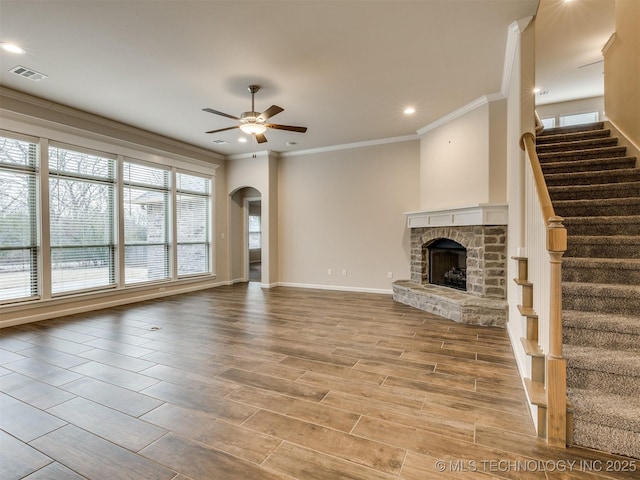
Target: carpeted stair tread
(618, 362)
(571, 137)
(584, 127)
(602, 321)
(590, 177)
(604, 190)
(605, 206)
(601, 270)
(623, 411)
(621, 246)
(601, 297)
(565, 144)
(583, 154)
(603, 225)
(602, 330)
(593, 164)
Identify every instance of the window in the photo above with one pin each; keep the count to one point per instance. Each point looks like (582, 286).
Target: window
(255, 232)
(579, 118)
(193, 199)
(18, 219)
(549, 122)
(81, 215)
(146, 223)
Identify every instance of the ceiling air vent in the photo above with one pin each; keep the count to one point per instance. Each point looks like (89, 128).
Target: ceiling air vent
(219, 141)
(28, 73)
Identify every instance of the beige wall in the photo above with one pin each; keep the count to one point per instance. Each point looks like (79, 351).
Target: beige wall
(345, 210)
(463, 162)
(622, 72)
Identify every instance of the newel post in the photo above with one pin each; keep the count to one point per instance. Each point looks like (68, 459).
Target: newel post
(556, 381)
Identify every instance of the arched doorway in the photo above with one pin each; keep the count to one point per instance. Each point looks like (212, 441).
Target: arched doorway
(246, 235)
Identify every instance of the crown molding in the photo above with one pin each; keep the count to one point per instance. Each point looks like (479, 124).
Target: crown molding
(347, 146)
(513, 32)
(478, 102)
(609, 44)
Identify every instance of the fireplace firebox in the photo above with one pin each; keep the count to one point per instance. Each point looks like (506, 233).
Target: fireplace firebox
(447, 264)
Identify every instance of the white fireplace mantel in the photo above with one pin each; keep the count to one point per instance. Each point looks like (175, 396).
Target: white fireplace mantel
(482, 214)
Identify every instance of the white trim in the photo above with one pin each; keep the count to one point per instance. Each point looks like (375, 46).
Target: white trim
(347, 146)
(513, 32)
(469, 107)
(74, 136)
(339, 288)
(609, 44)
(483, 214)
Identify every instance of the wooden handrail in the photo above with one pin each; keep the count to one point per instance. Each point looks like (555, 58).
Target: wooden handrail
(527, 143)
(556, 365)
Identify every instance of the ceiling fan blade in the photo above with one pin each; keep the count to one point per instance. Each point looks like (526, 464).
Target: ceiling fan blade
(216, 112)
(270, 112)
(261, 138)
(223, 129)
(286, 127)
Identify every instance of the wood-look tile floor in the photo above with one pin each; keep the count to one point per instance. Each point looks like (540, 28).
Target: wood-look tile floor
(240, 383)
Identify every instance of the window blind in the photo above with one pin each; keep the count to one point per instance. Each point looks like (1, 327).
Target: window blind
(193, 199)
(146, 223)
(18, 219)
(82, 218)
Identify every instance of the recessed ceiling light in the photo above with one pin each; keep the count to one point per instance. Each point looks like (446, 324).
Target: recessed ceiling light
(536, 90)
(242, 140)
(409, 111)
(12, 47)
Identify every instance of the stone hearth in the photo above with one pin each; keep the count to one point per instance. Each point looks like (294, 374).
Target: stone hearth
(482, 231)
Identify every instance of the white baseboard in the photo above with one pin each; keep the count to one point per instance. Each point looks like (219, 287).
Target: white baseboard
(339, 288)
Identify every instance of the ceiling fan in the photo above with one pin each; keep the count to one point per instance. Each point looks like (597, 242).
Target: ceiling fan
(254, 123)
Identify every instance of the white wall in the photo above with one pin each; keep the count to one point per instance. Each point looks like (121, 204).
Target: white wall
(345, 209)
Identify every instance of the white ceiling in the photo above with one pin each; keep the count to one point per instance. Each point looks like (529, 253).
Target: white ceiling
(344, 69)
(569, 40)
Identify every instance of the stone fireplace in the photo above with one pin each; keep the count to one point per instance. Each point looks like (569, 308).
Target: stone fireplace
(458, 264)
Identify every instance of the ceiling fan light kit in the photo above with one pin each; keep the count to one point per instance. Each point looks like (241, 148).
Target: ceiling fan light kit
(254, 123)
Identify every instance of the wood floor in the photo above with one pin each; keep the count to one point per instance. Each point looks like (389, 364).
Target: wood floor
(240, 383)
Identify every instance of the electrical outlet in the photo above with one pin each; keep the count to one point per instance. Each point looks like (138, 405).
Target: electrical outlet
(329, 272)
(344, 272)
(389, 274)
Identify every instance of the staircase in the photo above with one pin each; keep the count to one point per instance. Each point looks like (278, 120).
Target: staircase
(596, 188)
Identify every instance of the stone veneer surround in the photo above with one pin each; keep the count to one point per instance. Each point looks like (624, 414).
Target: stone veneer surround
(486, 256)
(482, 231)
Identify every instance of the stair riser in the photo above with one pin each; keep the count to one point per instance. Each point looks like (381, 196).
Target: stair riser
(600, 437)
(602, 251)
(601, 275)
(603, 229)
(598, 209)
(595, 165)
(592, 178)
(601, 339)
(626, 190)
(569, 145)
(607, 152)
(628, 305)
